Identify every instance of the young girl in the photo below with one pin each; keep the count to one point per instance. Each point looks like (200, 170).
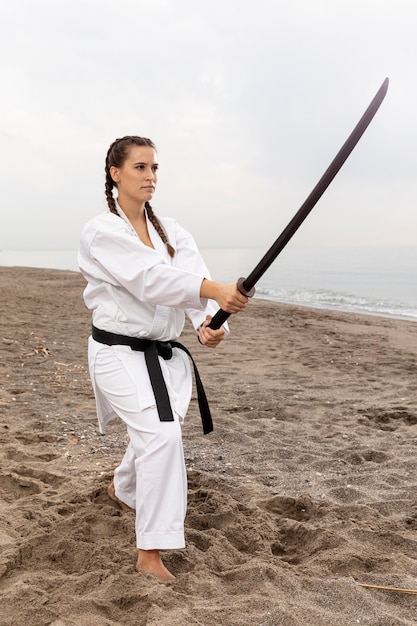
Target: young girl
(144, 273)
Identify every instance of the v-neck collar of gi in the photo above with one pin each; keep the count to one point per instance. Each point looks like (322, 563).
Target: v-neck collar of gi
(157, 242)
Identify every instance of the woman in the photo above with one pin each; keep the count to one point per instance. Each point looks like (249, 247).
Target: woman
(144, 274)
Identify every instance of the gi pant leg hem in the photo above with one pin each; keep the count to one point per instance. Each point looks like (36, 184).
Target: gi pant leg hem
(125, 498)
(161, 541)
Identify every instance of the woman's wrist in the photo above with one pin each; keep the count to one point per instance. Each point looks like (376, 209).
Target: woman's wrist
(209, 289)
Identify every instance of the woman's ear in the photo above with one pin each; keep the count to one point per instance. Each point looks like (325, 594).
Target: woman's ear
(114, 173)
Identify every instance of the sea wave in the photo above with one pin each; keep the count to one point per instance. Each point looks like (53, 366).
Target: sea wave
(341, 301)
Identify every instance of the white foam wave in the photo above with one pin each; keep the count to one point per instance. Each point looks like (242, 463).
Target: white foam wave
(341, 301)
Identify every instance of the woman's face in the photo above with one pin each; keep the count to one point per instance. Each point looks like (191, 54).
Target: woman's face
(136, 178)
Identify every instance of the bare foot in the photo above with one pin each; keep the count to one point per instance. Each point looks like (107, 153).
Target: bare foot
(149, 561)
(112, 495)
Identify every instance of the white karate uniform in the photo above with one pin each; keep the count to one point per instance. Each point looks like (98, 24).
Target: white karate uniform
(139, 291)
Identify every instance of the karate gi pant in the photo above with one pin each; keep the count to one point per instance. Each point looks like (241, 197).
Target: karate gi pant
(152, 477)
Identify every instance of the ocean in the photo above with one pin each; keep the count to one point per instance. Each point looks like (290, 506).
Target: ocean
(372, 281)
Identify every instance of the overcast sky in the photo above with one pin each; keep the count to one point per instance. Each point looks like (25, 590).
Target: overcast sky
(248, 103)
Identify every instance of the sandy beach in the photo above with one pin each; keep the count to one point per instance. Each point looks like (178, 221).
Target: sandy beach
(304, 492)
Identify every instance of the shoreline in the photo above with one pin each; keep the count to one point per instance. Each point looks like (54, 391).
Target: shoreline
(318, 306)
(303, 492)
(370, 280)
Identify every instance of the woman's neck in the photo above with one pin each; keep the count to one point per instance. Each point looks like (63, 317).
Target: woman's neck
(133, 210)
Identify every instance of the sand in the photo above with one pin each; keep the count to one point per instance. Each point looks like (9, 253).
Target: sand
(305, 490)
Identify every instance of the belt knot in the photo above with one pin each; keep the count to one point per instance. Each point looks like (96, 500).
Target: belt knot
(164, 349)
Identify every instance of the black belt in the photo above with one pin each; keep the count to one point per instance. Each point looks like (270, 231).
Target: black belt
(152, 350)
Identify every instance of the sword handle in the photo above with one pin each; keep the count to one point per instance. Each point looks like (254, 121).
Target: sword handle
(218, 319)
(221, 316)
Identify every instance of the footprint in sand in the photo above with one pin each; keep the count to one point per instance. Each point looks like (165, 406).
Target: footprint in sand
(14, 487)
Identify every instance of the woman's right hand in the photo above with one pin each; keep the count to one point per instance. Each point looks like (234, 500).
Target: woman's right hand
(227, 295)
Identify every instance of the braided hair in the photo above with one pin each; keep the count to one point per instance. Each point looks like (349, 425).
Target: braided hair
(116, 156)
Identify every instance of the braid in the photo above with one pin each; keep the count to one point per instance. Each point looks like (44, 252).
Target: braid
(116, 156)
(158, 227)
(109, 195)
(109, 184)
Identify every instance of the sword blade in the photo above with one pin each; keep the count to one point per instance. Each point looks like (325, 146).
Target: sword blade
(248, 283)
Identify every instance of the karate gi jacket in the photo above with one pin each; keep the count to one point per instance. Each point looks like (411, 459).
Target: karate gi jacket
(139, 291)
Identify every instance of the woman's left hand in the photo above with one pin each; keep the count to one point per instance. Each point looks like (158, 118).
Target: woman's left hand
(209, 337)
